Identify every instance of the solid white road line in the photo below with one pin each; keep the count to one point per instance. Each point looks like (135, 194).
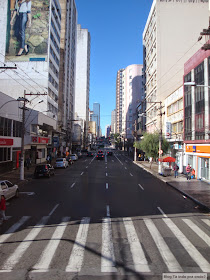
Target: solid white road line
(118, 159)
(48, 253)
(168, 257)
(107, 211)
(189, 247)
(107, 250)
(198, 231)
(161, 211)
(206, 221)
(24, 245)
(73, 185)
(141, 187)
(12, 229)
(139, 258)
(77, 255)
(107, 186)
(53, 210)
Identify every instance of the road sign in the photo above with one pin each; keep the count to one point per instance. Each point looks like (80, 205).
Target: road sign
(160, 152)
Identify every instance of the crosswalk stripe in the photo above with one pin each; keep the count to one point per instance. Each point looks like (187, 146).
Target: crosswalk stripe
(206, 221)
(77, 255)
(168, 257)
(139, 258)
(18, 253)
(107, 250)
(48, 253)
(198, 231)
(12, 229)
(189, 247)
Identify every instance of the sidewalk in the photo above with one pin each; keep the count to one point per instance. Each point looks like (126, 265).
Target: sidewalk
(14, 175)
(197, 190)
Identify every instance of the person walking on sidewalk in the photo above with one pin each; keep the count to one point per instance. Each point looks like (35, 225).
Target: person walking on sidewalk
(3, 208)
(176, 168)
(188, 171)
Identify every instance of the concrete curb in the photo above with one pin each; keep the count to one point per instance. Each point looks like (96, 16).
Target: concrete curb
(203, 206)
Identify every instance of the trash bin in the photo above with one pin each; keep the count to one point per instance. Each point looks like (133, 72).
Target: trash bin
(166, 171)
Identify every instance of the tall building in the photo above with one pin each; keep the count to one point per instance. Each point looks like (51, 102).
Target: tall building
(67, 71)
(129, 93)
(170, 38)
(37, 62)
(119, 92)
(113, 121)
(96, 117)
(197, 113)
(82, 86)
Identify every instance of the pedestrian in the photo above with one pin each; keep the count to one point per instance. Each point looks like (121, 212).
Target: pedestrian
(3, 208)
(193, 174)
(28, 162)
(188, 171)
(176, 168)
(48, 159)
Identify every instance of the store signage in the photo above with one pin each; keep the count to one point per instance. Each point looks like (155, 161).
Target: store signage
(198, 149)
(194, 149)
(6, 142)
(40, 140)
(55, 141)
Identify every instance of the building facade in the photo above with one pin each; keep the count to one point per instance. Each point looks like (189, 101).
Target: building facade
(96, 117)
(82, 85)
(197, 113)
(166, 49)
(119, 93)
(113, 122)
(67, 73)
(36, 76)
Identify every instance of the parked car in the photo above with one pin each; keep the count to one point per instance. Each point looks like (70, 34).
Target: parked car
(100, 155)
(109, 153)
(74, 157)
(89, 154)
(8, 189)
(44, 170)
(61, 163)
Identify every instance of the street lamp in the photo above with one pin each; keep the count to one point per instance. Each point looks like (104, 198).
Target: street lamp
(18, 99)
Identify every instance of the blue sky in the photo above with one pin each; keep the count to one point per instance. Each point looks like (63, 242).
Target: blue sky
(116, 28)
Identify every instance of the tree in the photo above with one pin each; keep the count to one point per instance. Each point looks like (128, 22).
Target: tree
(150, 145)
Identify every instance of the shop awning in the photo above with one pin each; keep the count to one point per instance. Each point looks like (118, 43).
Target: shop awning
(167, 159)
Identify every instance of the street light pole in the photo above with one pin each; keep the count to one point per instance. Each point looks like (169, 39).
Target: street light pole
(22, 139)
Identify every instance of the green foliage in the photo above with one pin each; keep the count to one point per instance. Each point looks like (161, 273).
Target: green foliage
(38, 15)
(150, 145)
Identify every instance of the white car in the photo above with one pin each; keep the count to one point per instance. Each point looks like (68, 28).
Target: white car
(8, 189)
(74, 157)
(61, 163)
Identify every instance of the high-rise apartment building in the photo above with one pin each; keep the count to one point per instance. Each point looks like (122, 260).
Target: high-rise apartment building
(96, 117)
(119, 92)
(82, 85)
(170, 38)
(36, 57)
(67, 69)
(113, 121)
(129, 93)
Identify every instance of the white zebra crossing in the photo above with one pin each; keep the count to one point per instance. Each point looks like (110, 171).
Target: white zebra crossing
(47, 255)
(76, 259)
(77, 255)
(20, 250)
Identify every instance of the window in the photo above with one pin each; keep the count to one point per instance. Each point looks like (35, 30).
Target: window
(188, 108)
(5, 154)
(3, 186)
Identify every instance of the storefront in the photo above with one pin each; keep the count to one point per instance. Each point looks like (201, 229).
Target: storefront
(198, 156)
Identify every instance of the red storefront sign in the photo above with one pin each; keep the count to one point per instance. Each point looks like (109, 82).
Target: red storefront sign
(40, 140)
(44, 140)
(6, 142)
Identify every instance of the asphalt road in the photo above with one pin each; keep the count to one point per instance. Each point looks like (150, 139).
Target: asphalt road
(102, 219)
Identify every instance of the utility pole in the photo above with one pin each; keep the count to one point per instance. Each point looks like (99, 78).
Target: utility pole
(160, 137)
(23, 131)
(135, 134)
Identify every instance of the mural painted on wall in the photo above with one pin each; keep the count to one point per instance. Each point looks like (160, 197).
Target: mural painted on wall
(27, 30)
